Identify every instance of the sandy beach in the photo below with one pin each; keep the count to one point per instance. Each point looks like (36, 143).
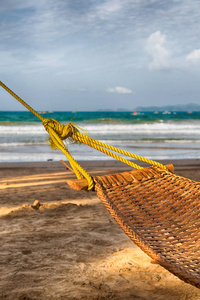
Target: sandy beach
(69, 247)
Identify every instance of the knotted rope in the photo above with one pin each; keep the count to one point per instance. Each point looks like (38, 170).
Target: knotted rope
(63, 131)
(58, 133)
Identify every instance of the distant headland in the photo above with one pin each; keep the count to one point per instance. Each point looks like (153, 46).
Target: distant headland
(186, 107)
(191, 107)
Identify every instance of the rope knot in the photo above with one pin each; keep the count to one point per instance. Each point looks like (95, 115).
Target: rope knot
(62, 131)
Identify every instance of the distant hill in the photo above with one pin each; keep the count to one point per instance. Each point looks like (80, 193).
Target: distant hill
(111, 110)
(187, 107)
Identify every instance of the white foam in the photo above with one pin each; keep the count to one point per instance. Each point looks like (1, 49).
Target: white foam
(145, 128)
(22, 130)
(22, 144)
(27, 142)
(192, 127)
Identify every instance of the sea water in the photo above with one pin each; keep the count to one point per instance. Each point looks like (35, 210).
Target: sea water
(155, 135)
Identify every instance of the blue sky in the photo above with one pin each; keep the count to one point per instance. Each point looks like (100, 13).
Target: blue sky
(89, 55)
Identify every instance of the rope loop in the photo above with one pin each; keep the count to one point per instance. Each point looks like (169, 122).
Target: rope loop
(63, 131)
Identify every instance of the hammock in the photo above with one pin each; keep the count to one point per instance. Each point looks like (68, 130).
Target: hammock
(157, 209)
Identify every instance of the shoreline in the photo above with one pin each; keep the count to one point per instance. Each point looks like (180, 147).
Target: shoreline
(98, 163)
(113, 166)
(70, 247)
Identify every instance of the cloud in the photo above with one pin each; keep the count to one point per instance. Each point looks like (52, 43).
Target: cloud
(108, 8)
(55, 45)
(119, 90)
(8, 59)
(156, 49)
(194, 56)
(17, 5)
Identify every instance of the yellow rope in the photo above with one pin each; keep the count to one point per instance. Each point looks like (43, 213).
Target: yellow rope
(59, 132)
(22, 101)
(75, 165)
(94, 144)
(86, 140)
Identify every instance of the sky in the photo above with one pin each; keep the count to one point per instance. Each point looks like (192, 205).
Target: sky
(87, 55)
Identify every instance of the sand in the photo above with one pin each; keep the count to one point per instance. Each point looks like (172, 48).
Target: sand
(69, 247)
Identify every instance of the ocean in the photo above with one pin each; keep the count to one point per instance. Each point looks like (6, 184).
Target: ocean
(155, 135)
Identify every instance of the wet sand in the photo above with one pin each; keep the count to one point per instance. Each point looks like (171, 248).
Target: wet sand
(70, 247)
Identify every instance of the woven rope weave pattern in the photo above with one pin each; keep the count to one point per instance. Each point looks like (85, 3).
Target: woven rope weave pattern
(160, 212)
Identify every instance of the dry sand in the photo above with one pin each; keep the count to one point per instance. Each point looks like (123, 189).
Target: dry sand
(70, 248)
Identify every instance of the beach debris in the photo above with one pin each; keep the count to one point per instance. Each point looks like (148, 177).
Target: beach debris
(36, 204)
